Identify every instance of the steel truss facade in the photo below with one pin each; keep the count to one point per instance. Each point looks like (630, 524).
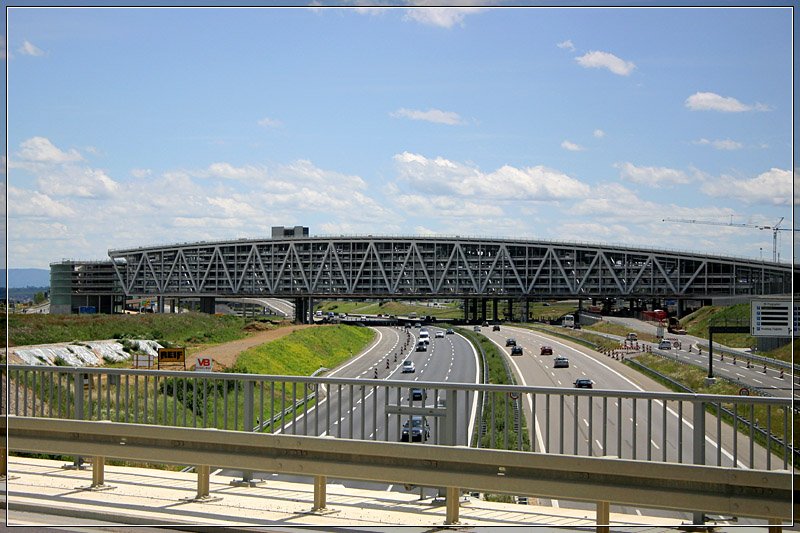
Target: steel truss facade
(399, 267)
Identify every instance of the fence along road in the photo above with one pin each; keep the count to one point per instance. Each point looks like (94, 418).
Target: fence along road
(227, 400)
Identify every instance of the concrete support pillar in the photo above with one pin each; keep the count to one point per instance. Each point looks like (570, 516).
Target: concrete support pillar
(511, 309)
(474, 305)
(160, 301)
(310, 309)
(494, 310)
(527, 310)
(300, 310)
(466, 309)
(483, 309)
(679, 308)
(207, 304)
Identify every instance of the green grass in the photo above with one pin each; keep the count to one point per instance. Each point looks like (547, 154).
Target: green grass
(304, 351)
(697, 324)
(181, 328)
(449, 310)
(498, 375)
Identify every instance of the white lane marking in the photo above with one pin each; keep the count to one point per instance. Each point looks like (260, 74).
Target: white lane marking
(740, 375)
(658, 402)
(477, 380)
(758, 381)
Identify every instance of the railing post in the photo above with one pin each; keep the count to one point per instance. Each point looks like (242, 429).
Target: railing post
(249, 417)
(603, 518)
(203, 483)
(699, 447)
(77, 394)
(453, 494)
(320, 495)
(774, 526)
(98, 471)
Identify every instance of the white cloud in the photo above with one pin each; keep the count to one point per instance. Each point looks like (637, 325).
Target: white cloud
(442, 176)
(226, 171)
(29, 49)
(726, 104)
(83, 182)
(599, 134)
(773, 187)
(720, 144)
(567, 45)
(443, 17)
(445, 206)
(653, 176)
(571, 146)
(41, 150)
(267, 122)
(140, 172)
(597, 59)
(431, 115)
(33, 204)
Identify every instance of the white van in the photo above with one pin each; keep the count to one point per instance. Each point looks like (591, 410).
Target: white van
(568, 322)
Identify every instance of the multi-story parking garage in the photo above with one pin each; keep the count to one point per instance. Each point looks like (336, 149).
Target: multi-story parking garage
(478, 270)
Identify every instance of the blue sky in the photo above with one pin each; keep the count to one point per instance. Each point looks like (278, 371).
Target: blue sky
(129, 127)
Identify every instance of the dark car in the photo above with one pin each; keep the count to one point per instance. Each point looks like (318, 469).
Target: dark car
(449, 332)
(511, 342)
(485, 324)
(583, 383)
(496, 327)
(418, 394)
(415, 429)
(546, 350)
(516, 350)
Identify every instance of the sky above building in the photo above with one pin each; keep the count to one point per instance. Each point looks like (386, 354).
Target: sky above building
(132, 127)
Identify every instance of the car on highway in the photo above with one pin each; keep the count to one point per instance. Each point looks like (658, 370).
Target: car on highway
(496, 327)
(511, 342)
(415, 428)
(485, 324)
(664, 345)
(417, 325)
(546, 350)
(633, 337)
(417, 393)
(516, 350)
(408, 367)
(560, 362)
(476, 328)
(440, 334)
(450, 332)
(422, 346)
(583, 383)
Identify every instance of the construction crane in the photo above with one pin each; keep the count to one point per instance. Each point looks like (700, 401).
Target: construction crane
(774, 228)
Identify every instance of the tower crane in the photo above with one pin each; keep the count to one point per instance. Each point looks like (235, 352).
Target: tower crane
(775, 228)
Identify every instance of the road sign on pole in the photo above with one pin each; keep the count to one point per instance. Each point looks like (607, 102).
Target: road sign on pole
(203, 363)
(773, 318)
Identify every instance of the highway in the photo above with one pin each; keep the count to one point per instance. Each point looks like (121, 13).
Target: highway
(609, 422)
(358, 412)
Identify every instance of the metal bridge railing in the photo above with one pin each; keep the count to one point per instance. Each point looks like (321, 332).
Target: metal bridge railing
(658, 427)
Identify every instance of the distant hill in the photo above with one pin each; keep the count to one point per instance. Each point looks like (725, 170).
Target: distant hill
(25, 277)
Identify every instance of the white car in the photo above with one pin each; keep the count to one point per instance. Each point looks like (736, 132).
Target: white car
(440, 334)
(664, 345)
(408, 366)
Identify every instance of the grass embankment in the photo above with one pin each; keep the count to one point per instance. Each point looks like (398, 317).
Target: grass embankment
(498, 375)
(694, 378)
(304, 351)
(697, 324)
(181, 328)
